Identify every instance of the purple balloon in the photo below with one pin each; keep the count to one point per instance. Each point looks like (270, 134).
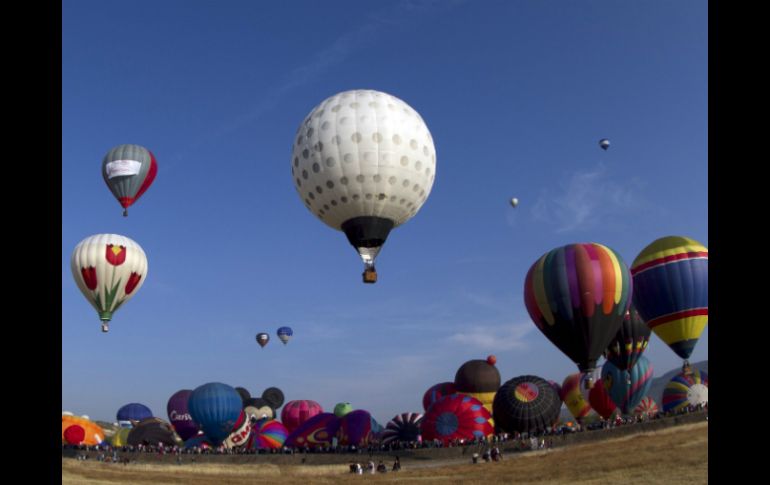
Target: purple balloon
(179, 415)
(355, 428)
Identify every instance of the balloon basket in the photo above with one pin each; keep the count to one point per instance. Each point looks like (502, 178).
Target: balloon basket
(370, 275)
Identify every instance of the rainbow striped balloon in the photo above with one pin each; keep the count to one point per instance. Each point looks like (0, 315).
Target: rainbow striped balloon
(671, 279)
(577, 296)
(269, 433)
(572, 396)
(686, 389)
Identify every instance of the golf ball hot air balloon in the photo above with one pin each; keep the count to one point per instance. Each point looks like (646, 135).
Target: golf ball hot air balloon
(285, 334)
(627, 392)
(363, 162)
(404, 427)
(108, 269)
(686, 389)
(630, 341)
(456, 416)
(215, 407)
(128, 171)
(294, 413)
(526, 404)
(577, 296)
(671, 279)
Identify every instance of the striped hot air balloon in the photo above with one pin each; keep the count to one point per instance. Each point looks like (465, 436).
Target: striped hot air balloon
(526, 404)
(647, 406)
(686, 389)
(627, 388)
(456, 416)
(671, 291)
(577, 296)
(269, 434)
(404, 427)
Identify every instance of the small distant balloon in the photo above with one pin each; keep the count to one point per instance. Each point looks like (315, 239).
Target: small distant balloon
(285, 334)
(514, 202)
(604, 143)
(263, 339)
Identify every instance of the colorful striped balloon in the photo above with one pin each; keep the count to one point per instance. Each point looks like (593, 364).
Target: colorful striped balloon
(268, 433)
(404, 427)
(630, 341)
(671, 290)
(297, 412)
(577, 296)
(526, 404)
(646, 406)
(686, 389)
(601, 402)
(627, 395)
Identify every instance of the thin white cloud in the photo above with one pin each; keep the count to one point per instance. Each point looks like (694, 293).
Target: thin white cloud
(585, 200)
(494, 338)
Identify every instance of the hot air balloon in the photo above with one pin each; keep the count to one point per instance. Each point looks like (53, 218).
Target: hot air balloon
(480, 379)
(152, 431)
(133, 412)
(604, 143)
(108, 269)
(456, 416)
(601, 402)
(574, 398)
(647, 407)
(630, 341)
(577, 296)
(626, 393)
(342, 408)
(268, 434)
(179, 415)
(285, 334)
(363, 162)
(215, 407)
(671, 279)
(297, 412)
(258, 408)
(436, 392)
(120, 437)
(240, 433)
(355, 428)
(244, 393)
(404, 427)
(686, 389)
(263, 339)
(274, 397)
(526, 404)
(92, 433)
(129, 170)
(319, 430)
(514, 202)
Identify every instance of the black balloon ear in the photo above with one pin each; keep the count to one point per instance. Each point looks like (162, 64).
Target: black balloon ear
(274, 397)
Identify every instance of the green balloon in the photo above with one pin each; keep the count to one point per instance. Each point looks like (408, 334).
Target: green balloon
(342, 408)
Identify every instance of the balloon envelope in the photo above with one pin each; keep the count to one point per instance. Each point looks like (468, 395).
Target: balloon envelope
(108, 269)
(355, 428)
(647, 406)
(526, 404)
(128, 171)
(133, 412)
(456, 416)
(316, 431)
(274, 397)
(573, 396)
(285, 334)
(624, 392)
(604, 143)
(262, 339)
(215, 407)
(295, 413)
(671, 291)
(436, 392)
(179, 414)
(630, 341)
(577, 296)
(686, 389)
(93, 433)
(269, 434)
(404, 427)
(152, 431)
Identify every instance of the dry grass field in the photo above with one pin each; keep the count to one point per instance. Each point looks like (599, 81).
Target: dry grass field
(672, 456)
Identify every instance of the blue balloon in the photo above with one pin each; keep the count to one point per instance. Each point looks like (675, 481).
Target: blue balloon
(215, 407)
(134, 412)
(627, 387)
(285, 333)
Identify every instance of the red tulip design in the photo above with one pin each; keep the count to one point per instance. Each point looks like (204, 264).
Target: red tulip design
(116, 255)
(133, 280)
(89, 277)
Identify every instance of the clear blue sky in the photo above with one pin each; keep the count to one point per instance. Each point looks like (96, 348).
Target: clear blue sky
(516, 95)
